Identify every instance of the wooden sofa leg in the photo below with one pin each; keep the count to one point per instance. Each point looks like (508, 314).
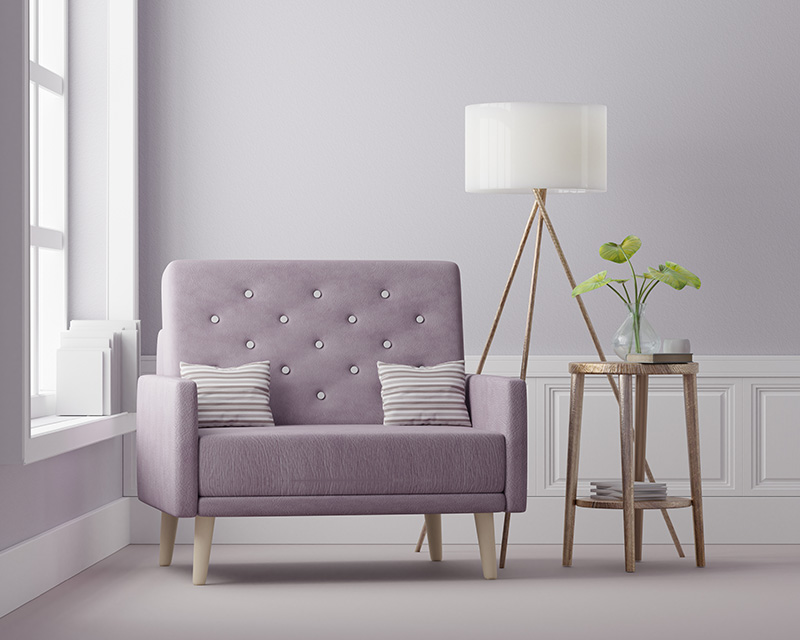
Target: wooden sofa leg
(203, 532)
(433, 523)
(484, 523)
(169, 527)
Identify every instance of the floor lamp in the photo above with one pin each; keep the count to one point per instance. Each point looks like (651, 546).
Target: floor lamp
(523, 147)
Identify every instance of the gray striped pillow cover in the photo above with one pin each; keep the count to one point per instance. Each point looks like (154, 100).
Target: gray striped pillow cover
(424, 395)
(233, 396)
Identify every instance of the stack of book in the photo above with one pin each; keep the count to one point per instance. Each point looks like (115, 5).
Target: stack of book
(660, 358)
(97, 368)
(641, 490)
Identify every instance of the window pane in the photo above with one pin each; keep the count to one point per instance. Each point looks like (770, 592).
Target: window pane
(52, 320)
(34, 324)
(51, 35)
(33, 152)
(51, 160)
(33, 32)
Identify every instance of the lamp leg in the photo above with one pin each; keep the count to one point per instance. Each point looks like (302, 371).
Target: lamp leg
(422, 535)
(526, 232)
(600, 353)
(526, 343)
(511, 275)
(529, 323)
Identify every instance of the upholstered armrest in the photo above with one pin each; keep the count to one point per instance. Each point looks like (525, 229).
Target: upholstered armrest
(167, 444)
(500, 404)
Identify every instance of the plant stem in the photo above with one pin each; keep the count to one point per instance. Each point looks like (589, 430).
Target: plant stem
(633, 273)
(647, 293)
(638, 303)
(628, 301)
(627, 295)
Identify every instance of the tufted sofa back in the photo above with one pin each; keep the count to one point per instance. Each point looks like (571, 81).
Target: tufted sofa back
(323, 325)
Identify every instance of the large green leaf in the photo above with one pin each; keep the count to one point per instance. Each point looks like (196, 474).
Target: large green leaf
(617, 252)
(668, 276)
(595, 282)
(690, 278)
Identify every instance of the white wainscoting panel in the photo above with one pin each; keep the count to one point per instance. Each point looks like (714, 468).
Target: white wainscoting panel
(775, 442)
(666, 435)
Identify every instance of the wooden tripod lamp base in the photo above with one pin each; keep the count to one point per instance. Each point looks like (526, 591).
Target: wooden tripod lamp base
(512, 146)
(542, 219)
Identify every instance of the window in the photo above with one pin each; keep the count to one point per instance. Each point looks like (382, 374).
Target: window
(48, 195)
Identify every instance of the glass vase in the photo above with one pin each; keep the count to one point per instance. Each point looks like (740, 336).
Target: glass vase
(636, 334)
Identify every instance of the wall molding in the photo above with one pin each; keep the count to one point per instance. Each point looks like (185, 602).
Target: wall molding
(44, 561)
(555, 366)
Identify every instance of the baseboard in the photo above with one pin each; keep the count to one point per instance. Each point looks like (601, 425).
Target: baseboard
(728, 520)
(36, 565)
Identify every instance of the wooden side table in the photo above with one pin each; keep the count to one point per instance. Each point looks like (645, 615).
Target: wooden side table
(633, 462)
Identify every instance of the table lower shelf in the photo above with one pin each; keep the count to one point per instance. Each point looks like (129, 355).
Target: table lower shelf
(670, 503)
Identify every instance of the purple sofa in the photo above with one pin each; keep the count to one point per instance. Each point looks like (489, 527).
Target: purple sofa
(329, 453)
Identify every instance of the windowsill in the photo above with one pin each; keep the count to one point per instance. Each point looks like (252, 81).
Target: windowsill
(53, 435)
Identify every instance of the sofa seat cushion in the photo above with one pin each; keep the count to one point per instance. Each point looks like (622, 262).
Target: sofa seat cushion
(317, 460)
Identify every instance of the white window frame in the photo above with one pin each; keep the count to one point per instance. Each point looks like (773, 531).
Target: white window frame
(18, 442)
(43, 402)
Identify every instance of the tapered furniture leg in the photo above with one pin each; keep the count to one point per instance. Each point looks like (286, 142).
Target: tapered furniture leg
(573, 457)
(169, 527)
(484, 524)
(639, 463)
(433, 523)
(695, 482)
(626, 447)
(504, 543)
(203, 532)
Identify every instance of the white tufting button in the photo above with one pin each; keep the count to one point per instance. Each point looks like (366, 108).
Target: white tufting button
(420, 319)
(352, 319)
(284, 319)
(354, 369)
(248, 293)
(317, 293)
(384, 294)
(320, 395)
(215, 319)
(250, 344)
(387, 344)
(285, 370)
(319, 344)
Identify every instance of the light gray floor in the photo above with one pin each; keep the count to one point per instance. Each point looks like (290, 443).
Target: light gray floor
(387, 592)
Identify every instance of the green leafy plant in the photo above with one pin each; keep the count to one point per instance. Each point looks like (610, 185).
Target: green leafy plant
(670, 273)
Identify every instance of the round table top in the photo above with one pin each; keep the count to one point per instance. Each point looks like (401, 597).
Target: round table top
(633, 368)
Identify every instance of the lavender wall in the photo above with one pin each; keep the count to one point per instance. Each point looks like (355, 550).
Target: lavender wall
(292, 129)
(43, 495)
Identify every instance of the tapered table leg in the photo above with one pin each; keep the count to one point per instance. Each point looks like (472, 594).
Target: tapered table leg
(573, 457)
(695, 481)
(626, 447)
(642, 383)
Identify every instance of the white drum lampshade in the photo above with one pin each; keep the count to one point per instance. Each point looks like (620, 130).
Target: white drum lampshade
(514, 147)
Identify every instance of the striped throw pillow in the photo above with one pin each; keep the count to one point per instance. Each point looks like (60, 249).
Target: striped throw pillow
(424, 395)
(233, 396)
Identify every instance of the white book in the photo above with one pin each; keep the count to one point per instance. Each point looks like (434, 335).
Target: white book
(113, 357)
(79, 379)
(130, 331)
